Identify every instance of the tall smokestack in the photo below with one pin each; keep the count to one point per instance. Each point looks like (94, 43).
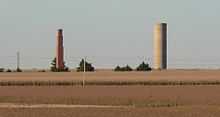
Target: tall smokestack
(59, 50)
(160, 46)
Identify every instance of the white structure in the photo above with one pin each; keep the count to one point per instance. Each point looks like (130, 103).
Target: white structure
(160, 46)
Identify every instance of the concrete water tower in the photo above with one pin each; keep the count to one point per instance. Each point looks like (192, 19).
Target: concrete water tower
(160, 46)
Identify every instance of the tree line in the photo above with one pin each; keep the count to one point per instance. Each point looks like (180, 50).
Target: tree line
(88, 67)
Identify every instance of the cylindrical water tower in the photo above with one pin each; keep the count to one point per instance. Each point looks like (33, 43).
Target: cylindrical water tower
(160, 46)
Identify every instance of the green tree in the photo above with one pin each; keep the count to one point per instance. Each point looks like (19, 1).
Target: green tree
(18, 70)
(144, 67)
(8, 70)
(88, 66)
(126, 68)
(2, 69)
(118, 68)
(53, 67)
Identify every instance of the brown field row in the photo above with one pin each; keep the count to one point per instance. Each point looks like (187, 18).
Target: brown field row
(189, 101)
(205, 111)
(154, 101)
(169, 75)
(113, 95)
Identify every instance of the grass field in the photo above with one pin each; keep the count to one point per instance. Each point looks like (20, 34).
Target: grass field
(169, 75)
(201, 100)
(94, 112)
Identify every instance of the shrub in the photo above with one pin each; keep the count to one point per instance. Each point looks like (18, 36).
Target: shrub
(126, 68)
(118, 68)
(8, 70)
(18, 70)
(144, 67)
(2, 69)
(42, 70)
(88, 66)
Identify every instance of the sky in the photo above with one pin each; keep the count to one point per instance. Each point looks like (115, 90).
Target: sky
(109, 32)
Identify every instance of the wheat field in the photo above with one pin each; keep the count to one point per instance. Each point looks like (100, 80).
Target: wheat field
(201, 100)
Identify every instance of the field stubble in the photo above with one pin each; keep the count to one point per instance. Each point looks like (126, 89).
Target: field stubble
(149, 100)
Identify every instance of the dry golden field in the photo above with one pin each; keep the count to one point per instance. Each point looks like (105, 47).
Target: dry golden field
(126, 101)
(97, 112)
(107, 75)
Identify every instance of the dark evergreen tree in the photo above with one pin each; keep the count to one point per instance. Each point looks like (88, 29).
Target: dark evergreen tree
(118, 68)
(126, 68)
(2, 69)
(54, 69)
(88, 66)
(8, 70)
(144, 67)
(18, 70)
(53, 65)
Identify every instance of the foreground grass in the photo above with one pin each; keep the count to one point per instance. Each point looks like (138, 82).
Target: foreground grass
(111, 101)
(201, 111)
(106, 83)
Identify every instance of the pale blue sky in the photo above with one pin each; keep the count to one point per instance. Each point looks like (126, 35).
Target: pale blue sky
(109, 32)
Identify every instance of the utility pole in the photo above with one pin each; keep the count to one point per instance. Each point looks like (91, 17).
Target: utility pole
(18, 60)
(84, 71)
